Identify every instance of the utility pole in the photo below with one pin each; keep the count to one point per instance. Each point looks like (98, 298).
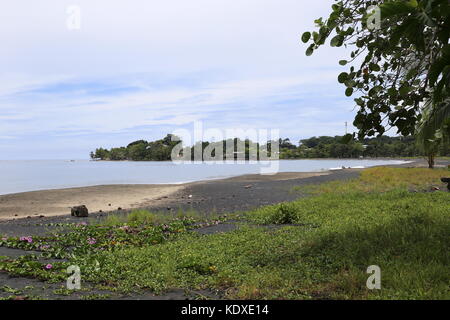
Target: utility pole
(345, 127)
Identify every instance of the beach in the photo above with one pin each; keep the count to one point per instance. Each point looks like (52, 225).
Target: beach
(43, 213)
(26, 213)
(107, 198)
(213, 196)
(50, 203)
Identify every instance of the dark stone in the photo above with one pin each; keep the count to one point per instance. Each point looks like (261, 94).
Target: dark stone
(79, 211)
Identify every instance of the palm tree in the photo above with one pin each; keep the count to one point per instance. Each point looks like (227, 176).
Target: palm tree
(433, 129)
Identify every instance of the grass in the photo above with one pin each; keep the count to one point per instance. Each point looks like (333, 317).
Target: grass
(317, 247)
(383, 179)
(144, 217)
(134, 217)
(405, 234)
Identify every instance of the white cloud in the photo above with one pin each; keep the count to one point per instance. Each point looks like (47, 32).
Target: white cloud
(174, 106)
(229, 63)
(165, 36)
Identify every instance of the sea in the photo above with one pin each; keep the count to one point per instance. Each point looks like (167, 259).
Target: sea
(31, 175)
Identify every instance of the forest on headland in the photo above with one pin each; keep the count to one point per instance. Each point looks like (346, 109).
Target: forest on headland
(314, 147)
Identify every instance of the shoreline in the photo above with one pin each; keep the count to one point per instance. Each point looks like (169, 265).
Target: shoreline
(365, 158)
(219, 195)
(109, 198)
(230, 195)
(205, 179)
(101, 198)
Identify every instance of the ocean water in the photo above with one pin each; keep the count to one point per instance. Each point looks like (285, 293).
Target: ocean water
(32, 175)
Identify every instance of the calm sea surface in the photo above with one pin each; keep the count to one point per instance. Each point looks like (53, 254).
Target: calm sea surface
(21, 176)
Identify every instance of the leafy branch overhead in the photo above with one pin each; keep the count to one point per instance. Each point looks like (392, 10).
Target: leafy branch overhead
(400, 58)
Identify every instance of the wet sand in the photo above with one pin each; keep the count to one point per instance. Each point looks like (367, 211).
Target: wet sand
(206, 197)
(58, 202)
(213, 196)
(106, 198)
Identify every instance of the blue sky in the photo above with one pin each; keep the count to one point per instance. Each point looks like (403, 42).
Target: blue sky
(139, 69)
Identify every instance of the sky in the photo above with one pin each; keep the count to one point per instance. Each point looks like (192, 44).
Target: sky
(139, 69)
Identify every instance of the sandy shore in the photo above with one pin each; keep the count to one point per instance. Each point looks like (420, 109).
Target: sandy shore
(106, 198)
(224, 195)
(58, 202)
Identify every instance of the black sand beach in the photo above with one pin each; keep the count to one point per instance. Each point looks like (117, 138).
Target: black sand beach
(216, 196)
(219, 196)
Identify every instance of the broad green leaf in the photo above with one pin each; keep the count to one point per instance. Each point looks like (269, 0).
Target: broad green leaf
(316, 36)
(336, 41)
(306, 36)
(393, 8)
(404, 90)
(343, 77)
(411, 74)
(392, 91)
(374, 67)
(438, 66)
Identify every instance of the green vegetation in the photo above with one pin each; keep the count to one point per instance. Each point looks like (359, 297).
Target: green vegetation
(144, 217)
(317, 247)
(400, 59)
(404, 78)
(431, 132)
(159, 150)
(335, 147)
(315, 147)
(134, 217)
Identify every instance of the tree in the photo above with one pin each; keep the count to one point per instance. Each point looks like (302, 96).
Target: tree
(118, 153)
(137, 142)
(315, 147)
(286, 143)
(101, 153)
(137, 151)
(431, 132)
(171, 140)
(405, 59)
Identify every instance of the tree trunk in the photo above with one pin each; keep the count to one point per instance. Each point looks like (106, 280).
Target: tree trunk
(431, 161)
